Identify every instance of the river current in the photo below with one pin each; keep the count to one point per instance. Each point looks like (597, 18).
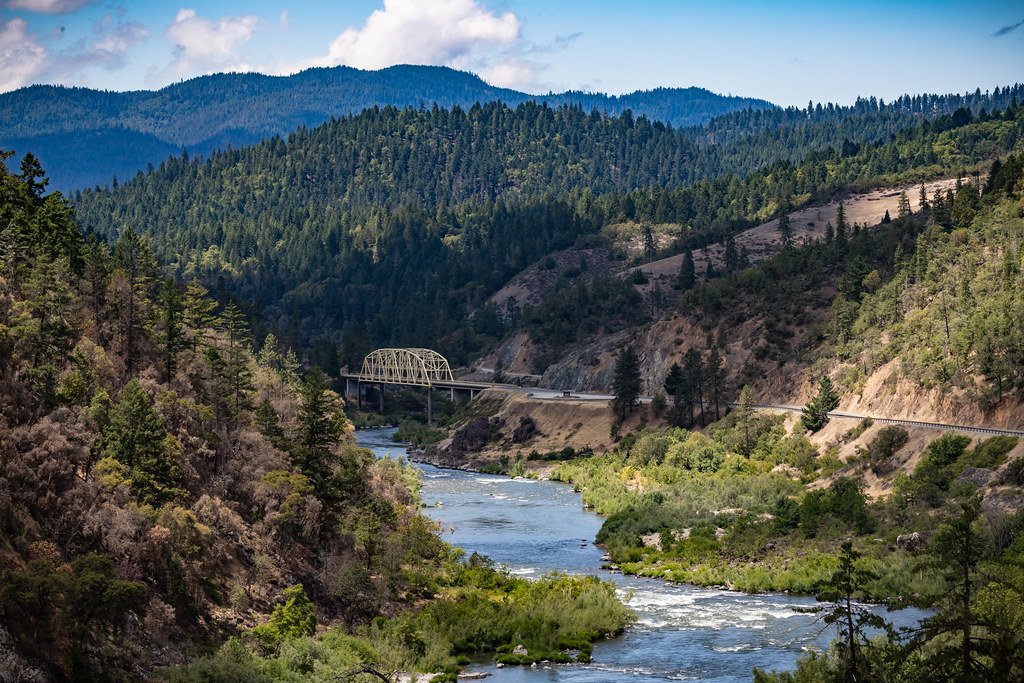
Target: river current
(683, 633)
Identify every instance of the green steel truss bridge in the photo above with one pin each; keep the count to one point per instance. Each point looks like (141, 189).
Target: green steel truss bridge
(414, 367)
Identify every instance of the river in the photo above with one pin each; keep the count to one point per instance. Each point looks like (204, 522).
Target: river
(683, 633)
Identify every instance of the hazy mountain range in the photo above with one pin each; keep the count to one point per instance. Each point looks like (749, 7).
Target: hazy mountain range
(86, 137)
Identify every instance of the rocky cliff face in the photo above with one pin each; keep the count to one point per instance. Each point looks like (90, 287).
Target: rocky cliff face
(15, 667)
(522, 424)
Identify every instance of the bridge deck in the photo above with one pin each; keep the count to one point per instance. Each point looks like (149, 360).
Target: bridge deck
(436, 384)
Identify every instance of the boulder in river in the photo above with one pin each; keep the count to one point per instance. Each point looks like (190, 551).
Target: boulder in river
(520, 650)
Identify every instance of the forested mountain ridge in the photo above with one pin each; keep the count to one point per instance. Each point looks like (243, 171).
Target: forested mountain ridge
(86, 137)
(163, 486)
(365, 212)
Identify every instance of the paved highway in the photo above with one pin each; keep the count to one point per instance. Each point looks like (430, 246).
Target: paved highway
(559, 395)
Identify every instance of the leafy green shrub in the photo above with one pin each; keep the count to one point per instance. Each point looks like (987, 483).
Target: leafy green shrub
(1015, 473)
(88, 592)
(854, 433)
(798, 451)
(417, 433)
(697, 453)
(990, 453)
(843, 500)
(292, 619)
(886, 444)
(931, 479)
(650, 449)
(567, 453)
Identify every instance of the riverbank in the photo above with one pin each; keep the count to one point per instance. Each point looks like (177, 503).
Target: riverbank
(454, 607)
(682, 631)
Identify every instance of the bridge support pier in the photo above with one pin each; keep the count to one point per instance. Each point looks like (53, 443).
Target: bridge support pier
(380, 389)
(430, 407)
(359, 395)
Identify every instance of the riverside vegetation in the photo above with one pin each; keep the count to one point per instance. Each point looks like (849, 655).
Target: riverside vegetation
(164, 488)
(702, 509)
(753, 506)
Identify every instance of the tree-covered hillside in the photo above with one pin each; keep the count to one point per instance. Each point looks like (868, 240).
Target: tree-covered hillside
(397, 225)
(86, 137)
(163, 487)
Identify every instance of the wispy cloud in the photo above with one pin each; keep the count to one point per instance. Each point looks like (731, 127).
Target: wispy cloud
(204, 45)
(463, 34)
(49, 6)
(1008, 29)
(25, 58)
(22, 58)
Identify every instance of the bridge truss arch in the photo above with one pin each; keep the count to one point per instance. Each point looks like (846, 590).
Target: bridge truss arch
(417, 367)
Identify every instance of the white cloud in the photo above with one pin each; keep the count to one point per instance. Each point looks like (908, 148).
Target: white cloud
(205, 46)
(49, 6)
(24, 59)
(460, 33)
(21, 57)
(282, 21)
(510, 72)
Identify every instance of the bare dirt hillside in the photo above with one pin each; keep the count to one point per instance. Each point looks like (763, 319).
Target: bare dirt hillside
(556, 423)
(865, 208)
(618, 244)
(624, 241)
(529, 287)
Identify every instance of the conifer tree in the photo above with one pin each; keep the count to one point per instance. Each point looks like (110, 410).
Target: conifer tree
(650, 250)
(626, 382)
(55, 234)
(675, 386)
(842, 228)
(197, 312)
(171, 340)
(709, 271)
(903, 210)
(815, 413)
(785, 229)
(95, 276)
(234, 327)
(317, 436)
(687, 274)
(694, 371)
(714, 368)
(135, 437)
(130, 296)
(964, 645)
(270, 353)
(268, 422)
(854, 621)
(33, 176)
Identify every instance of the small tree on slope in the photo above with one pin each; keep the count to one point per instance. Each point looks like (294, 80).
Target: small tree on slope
(815, 415)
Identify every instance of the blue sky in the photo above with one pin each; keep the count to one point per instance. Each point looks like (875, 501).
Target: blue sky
(786, 52)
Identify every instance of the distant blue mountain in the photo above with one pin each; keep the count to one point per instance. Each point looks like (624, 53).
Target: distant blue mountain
(86, 137)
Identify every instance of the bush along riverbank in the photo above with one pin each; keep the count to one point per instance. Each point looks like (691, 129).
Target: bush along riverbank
(750, 507)
(475, 610)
